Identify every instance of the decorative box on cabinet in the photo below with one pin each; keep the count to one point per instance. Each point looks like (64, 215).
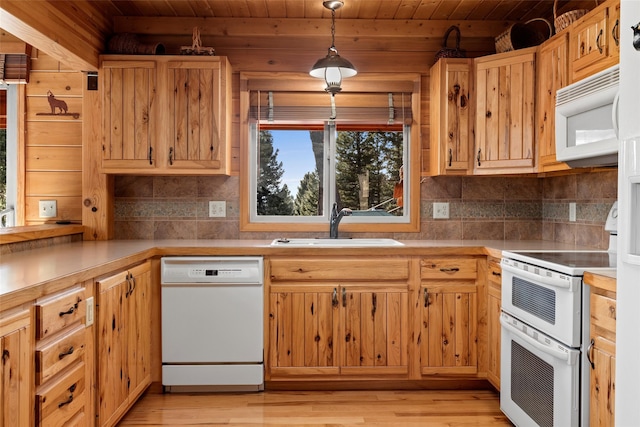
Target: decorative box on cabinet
(124, 346)
(505, 107)
(64, 358)
(16, 368)
(337, 318)
(166, 115)
(448, 307)
(450, 116)
(594, 43)
(553, 74)
(602, 350)
(494, 296)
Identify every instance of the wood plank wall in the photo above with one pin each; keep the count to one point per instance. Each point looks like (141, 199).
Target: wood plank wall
(53, 141)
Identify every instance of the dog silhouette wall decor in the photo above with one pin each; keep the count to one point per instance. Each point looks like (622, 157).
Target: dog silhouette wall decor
(58, 107)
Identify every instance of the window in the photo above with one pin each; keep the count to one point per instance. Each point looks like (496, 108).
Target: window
(305, 154)
(8, 156)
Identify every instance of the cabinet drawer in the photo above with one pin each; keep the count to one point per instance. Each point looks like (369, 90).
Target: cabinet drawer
(59, 311)
(61, 400)
(377, 269)
(495, 272)
(54, 356)
(603, 312)
(449, 268)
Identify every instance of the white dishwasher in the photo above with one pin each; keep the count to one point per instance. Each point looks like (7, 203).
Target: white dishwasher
(212, 323)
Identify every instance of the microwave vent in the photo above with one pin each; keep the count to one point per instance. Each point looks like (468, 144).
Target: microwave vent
(600, 81)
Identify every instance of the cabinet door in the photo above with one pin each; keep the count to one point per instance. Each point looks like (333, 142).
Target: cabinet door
(112, 349)
(602, 377)
(590, 44)
(494, 296)
(129, 101)
(374, 330)
(450, 116)
(197, 115)
(138, 330)
(505, 96)
(15, 370)
(553, 74)
(448, 339)
(303, 322)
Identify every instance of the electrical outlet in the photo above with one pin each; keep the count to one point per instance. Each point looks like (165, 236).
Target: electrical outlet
(217, 209)
(572, 211)
(48, 208)
(89, 312)
(441, 210)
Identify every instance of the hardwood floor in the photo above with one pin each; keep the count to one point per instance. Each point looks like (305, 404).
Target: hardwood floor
(320, 408)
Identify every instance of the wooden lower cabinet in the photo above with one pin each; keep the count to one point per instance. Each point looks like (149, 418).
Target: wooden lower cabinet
(338, 330)
(124, 343)
(602, 354)
(322, 327)
(448, 307)
(494, 297)
(64, 357)
(16, 368)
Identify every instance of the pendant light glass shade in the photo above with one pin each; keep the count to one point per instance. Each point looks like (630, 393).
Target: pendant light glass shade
(333, 68)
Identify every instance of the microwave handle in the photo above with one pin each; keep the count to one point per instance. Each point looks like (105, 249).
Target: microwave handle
(615, 117)
(561, 355)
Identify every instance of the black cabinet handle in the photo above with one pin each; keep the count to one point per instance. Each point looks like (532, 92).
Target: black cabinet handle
(334, 298)
(479, 150)
(450, 270)
(614, 32)
(66, 353)
(66, 402)
(70, 311)
(598, 41)
(170, 155)
(344, 297)
(151, 155)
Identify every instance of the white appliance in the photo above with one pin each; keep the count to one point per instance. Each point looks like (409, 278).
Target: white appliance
(212, 323)
(543, 382)
(627, 410)
(587, 120)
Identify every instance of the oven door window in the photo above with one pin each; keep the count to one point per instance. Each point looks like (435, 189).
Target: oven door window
(534, 299)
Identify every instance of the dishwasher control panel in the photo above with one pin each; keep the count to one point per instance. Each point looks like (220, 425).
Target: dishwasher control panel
(222, 270)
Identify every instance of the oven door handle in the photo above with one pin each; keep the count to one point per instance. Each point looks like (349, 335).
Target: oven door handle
(556, 283)
(561, 355)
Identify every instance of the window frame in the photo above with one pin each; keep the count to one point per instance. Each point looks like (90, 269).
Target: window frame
(372, 82)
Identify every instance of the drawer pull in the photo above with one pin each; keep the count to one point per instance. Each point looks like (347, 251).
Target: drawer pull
(66, 353)
(66, 402)
(450, 270)
(344, 297)
(495, 273)
(70, 311)
(334, 298)
(589, 351)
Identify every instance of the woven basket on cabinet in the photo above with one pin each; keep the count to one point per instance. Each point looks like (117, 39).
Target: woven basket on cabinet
(563, 21)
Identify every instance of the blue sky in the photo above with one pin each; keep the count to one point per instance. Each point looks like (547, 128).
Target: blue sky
(295, 154)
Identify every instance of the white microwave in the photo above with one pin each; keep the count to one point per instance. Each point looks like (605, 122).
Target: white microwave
(587, 120)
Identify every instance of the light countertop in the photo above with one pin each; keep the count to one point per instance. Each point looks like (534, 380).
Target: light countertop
(27, 275)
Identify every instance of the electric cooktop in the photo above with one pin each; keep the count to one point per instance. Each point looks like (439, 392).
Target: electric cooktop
(567, 262)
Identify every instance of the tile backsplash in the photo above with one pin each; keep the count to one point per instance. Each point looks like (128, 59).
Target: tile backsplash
(519, 208)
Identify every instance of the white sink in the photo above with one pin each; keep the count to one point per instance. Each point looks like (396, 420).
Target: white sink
(335, 243)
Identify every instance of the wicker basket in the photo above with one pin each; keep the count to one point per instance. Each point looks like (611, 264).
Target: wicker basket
(519, 36)
(563, 21)
(449, 52)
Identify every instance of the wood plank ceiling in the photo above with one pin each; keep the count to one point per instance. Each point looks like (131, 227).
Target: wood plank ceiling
(485, 10)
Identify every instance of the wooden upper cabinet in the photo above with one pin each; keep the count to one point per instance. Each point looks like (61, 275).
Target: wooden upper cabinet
(594, 41)
(553, 74)
(450, 115)
(166, 115)
(129, 95)
(198, 117)
(505, 102)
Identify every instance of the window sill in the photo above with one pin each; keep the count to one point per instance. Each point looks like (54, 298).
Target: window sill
(36, 232)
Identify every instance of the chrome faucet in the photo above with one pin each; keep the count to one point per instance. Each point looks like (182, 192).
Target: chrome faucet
(334, 221)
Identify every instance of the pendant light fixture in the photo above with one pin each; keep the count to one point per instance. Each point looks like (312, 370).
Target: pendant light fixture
(333, 68)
